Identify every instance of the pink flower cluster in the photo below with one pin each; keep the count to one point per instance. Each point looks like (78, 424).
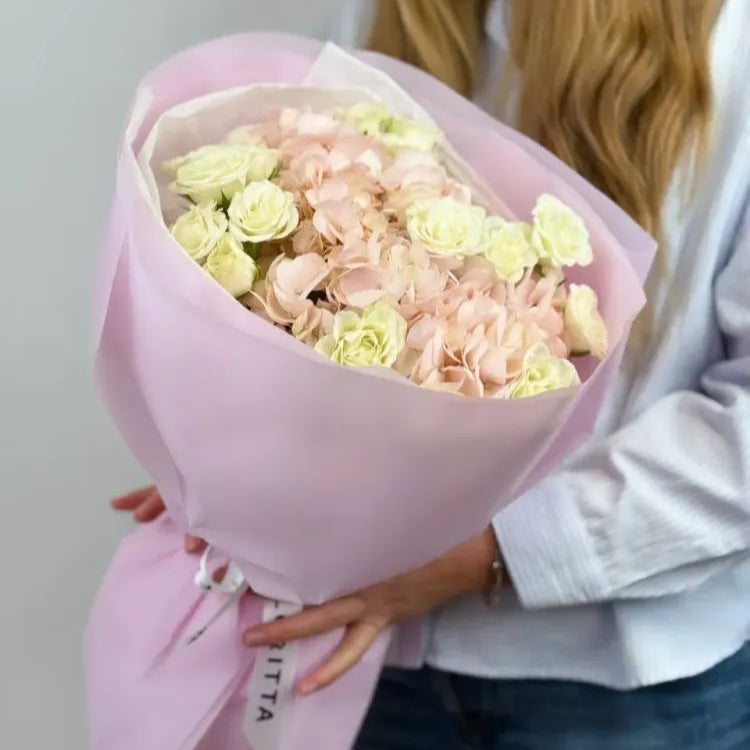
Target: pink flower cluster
(467, 329)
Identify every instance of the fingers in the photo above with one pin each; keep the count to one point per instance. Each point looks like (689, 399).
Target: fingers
(311, 621)
(132, 500)
(194, 544)
(359, 637)
(145, 503)
(152, 507)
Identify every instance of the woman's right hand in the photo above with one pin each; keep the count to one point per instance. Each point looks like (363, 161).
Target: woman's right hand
(146, 504)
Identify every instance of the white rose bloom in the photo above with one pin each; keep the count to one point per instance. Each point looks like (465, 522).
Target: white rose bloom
(586, 328)
(200, 229)
(217, 172)
(509, 248)
(261, 212)
(369, 118)
(542, 372)
(264, 163)
(559, 235)
(374, 338)
(232, 267)
(411, 135)
(446, 227)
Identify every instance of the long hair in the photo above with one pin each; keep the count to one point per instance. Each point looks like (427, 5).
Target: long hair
(618, 89)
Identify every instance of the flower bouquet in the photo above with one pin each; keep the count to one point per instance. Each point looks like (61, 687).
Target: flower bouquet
(345, 230)
(343, 318)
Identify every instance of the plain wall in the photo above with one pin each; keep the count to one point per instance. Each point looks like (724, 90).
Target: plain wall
(68, 69)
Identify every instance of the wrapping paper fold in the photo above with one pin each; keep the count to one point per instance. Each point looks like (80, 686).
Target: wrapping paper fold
(314, 479)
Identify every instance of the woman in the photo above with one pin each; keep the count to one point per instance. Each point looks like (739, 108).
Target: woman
(627, 574)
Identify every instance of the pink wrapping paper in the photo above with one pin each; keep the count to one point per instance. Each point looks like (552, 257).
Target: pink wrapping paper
(314, 479)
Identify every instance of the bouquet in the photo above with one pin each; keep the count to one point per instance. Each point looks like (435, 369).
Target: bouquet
(347, 231)
(343, 318)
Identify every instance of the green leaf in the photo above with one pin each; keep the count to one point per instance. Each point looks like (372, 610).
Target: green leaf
(252, 249)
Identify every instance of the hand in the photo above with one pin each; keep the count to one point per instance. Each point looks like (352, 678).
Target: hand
(147, 505)
(366, 613)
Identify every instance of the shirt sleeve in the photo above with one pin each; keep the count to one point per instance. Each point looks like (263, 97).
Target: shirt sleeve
(662, 504)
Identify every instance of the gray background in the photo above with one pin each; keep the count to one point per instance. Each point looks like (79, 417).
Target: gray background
(68, 69)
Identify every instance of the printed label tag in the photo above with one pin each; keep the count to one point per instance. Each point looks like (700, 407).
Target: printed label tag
(271, 687)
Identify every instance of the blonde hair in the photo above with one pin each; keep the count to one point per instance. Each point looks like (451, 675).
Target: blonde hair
(618, 89)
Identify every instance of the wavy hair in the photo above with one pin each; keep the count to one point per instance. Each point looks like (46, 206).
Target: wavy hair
(618, 89)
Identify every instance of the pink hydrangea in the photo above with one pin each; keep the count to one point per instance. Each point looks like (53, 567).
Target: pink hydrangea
(467, 330)
(284, 293)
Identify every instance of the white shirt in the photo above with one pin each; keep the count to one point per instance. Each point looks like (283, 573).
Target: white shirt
(631, 565)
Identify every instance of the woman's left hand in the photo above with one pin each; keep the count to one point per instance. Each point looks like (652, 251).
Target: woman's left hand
(366, 613)
(147, 505)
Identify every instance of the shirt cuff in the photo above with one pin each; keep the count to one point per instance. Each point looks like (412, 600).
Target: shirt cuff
(547, 549)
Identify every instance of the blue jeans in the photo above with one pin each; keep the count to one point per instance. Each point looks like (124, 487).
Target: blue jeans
(431, 710)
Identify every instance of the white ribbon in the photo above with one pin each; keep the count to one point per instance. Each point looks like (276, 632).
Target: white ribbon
(271, 687)
(233, 583)
(233, 579)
